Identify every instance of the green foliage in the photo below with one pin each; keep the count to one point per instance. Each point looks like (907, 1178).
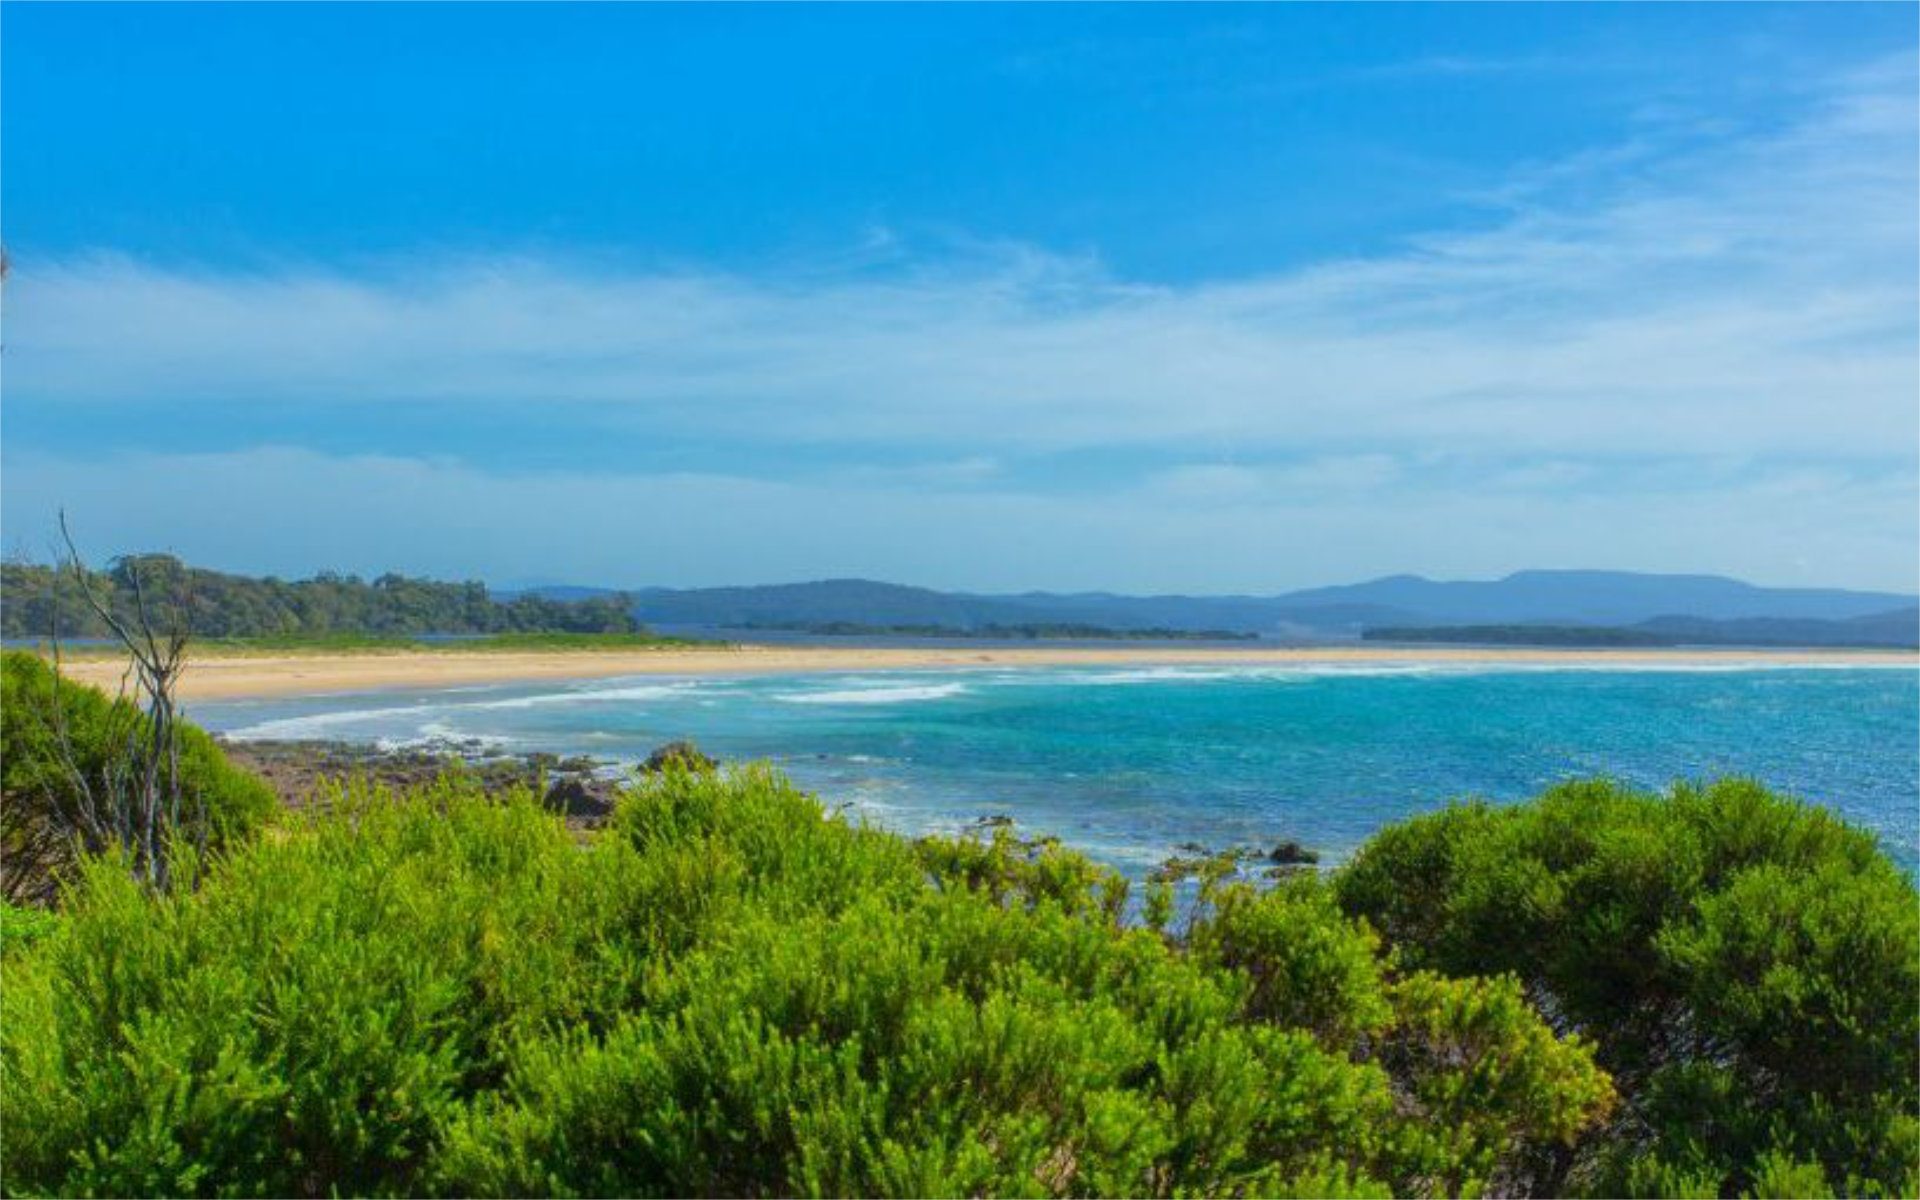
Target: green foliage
(1747, 967)
(22, 927)
(37, 783)
(350, 643)
(560, 640)
(319, 643)
(1308, 968)
(41, 600)
(729, 992)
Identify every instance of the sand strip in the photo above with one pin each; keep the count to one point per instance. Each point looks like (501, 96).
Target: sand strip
(236, 676)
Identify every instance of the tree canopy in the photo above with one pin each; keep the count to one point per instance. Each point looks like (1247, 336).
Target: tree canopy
(40, 598)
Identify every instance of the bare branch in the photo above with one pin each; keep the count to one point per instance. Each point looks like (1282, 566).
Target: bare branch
(136, 797)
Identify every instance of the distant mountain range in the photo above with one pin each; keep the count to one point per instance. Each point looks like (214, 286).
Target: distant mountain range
(1715, 608)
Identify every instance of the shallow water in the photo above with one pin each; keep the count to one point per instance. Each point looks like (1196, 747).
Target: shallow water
(1126, 763)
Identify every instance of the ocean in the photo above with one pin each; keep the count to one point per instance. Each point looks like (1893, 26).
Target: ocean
(1129, 763)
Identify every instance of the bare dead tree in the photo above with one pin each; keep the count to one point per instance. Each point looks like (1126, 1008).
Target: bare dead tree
(133, 799)
(47, 825)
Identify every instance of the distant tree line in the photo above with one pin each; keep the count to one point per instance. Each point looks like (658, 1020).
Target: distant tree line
(1024, 631)
(36, 600)
(1522, 635)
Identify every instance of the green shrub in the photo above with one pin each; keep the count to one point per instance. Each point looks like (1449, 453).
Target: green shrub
(36, 784)
(727, 992)
(1747, 967)
(22, 927)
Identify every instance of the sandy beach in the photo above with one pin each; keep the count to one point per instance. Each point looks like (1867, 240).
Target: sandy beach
(237, 676)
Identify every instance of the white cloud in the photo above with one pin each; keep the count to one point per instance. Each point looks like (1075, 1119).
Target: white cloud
(1753, 296)
(1697, 352)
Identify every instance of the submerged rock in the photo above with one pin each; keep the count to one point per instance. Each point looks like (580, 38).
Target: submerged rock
(1195, 860)
(1291, 853)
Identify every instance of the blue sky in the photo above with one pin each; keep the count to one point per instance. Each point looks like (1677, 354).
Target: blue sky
(1151, 298)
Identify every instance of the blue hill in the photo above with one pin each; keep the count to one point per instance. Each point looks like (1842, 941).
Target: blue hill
(1612, 598)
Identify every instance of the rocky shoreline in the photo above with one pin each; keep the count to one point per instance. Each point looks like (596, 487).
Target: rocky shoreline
(580, 788)
(583, 790)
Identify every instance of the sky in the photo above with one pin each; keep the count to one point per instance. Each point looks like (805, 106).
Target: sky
(1181, 298)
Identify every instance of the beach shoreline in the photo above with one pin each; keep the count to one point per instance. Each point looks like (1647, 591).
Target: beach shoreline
(239, 676)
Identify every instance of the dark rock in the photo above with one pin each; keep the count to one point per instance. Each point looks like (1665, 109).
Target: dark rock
(994, 821)
(581, 799)
(684, 755)
(297, 771)
(1291, 853)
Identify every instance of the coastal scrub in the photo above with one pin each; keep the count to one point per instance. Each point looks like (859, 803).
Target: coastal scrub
(40, 777)
(730, 992)
(1747, 968)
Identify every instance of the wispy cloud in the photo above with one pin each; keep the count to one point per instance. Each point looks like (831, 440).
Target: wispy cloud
(1744, 298)
(1758, 297)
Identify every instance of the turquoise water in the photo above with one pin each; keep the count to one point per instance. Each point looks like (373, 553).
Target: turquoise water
(1127, 763)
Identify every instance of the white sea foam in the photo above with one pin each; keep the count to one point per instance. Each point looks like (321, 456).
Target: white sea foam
(439, 733)
(875, 695)
(1301, 673)
(1121, 678)
(315, 725)
(644, 691)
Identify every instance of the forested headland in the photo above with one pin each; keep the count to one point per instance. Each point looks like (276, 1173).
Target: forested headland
(37, 601)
